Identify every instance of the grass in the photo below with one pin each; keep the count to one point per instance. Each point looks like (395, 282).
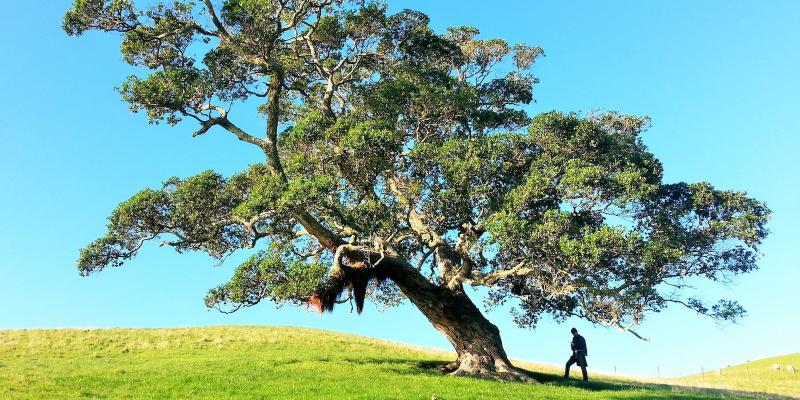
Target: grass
(756, 376)
(266, 363)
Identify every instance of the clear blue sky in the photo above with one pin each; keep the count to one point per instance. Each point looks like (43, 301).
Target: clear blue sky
(720, 80)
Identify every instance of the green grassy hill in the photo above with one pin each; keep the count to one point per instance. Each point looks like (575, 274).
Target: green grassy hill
(756, 375)
(265, 363)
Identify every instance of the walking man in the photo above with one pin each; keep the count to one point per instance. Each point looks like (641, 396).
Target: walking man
(579, 354)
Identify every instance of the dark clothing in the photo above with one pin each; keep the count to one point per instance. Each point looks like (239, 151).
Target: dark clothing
(579, 357)
(579, 343)
(579, 353)
(573, 360)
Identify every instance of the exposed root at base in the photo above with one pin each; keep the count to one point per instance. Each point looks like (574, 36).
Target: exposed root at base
(507, 375)
(450, 367)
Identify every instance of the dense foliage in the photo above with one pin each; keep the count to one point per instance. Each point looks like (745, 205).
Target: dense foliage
(388, 141)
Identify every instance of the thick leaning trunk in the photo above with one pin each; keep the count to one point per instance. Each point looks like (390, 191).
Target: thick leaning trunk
(476, 340)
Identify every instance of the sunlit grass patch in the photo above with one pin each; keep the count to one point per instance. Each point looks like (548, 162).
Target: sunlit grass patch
(264, 363)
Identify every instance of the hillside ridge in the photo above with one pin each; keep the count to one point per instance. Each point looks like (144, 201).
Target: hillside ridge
(278, 362)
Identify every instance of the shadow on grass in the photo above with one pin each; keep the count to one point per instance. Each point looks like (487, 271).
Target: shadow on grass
(660, 391)
(378, 361)
(435, 367)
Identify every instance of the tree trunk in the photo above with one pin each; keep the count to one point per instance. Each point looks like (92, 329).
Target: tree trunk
(476, 340)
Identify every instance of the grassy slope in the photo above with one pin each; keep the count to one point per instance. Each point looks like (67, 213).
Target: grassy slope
(261, 363)
(757, 375)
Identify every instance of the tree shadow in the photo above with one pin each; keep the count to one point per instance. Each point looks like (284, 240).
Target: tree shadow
(660, 390)
(431, 365)
(378, 360)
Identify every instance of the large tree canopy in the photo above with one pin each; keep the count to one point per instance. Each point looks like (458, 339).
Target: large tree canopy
(400, 163)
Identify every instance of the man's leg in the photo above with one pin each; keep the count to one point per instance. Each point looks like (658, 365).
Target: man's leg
(585, 373)
(571, 361)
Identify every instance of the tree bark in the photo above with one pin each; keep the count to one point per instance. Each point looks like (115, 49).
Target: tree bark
(477, 341)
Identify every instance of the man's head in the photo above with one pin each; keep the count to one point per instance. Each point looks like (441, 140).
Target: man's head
(574, 331)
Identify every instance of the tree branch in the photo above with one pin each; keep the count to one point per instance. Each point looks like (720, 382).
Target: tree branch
(240, 134)
(447, 258)
(224, 122)
(215, 20)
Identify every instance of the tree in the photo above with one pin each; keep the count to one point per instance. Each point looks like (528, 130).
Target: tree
(400, 164)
